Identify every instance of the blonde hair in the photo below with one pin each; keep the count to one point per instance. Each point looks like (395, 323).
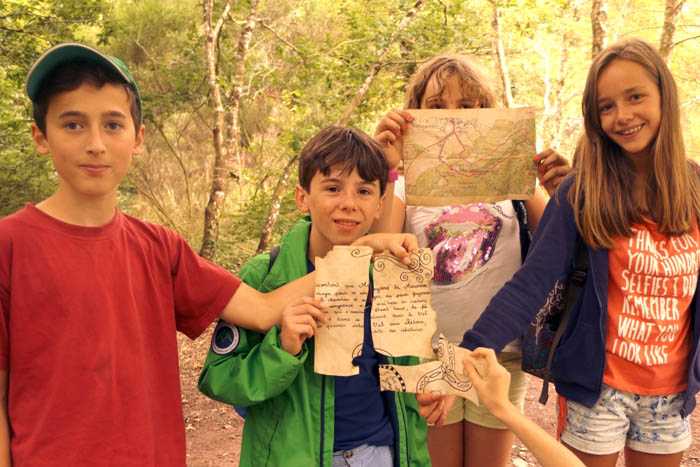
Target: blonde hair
(472, 79)
(603, 201)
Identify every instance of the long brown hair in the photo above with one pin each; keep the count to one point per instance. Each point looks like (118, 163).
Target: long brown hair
(602, 197)
(472, 79)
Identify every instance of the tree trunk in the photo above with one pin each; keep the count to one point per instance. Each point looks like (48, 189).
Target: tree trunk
(274, 212)
(218, 183)
(599, 19)
(558, 110)
(378, 64)
(671, 15)
(224, 152)
(499, 57)
(237, 90)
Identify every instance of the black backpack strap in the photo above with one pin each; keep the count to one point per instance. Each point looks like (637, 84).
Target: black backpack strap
(524, 227)
(273, 257)
(576, 279)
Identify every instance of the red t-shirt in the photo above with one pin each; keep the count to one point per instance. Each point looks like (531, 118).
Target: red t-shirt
(87, 332)
(651, 284)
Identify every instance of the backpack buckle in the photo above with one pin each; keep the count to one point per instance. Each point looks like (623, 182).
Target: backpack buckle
(578, 275)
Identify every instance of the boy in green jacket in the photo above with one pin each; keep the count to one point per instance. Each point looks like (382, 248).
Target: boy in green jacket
(295, 416)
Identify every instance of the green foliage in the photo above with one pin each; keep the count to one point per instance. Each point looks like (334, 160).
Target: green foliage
(27, 28)
(307, 60)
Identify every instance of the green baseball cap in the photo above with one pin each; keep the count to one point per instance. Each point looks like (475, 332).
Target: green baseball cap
(73, 52)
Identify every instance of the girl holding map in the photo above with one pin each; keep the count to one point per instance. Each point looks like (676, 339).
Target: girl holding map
(477, 248)
(627, 369)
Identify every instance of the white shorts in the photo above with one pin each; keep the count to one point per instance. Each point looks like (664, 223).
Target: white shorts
(650, 424)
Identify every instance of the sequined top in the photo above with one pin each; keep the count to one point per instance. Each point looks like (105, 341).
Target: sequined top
(476, 249)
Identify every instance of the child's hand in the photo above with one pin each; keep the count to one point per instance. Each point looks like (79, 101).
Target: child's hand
(491, 387)
(398, 244)
(434, 406)
(299, 322)
(389, 135)
(552, 169)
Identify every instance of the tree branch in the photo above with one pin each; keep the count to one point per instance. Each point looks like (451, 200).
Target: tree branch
(274, 211)
(671, 15)
(444, 11)
(499, 56)
(599, 18)
(378, 63)
(175, 154)
(218, 185)
(284, 41)
(686, 39)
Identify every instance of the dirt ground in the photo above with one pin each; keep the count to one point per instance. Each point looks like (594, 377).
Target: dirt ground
(214, 430)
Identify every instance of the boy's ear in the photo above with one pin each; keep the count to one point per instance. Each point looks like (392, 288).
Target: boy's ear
(40, 142)
(380, 208)
(140, 136)
(302, 199)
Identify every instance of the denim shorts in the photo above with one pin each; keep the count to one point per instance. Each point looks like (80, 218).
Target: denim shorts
(364, 455)
(649, 424)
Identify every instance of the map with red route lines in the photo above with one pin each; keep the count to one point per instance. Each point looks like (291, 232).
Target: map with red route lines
(468, 156)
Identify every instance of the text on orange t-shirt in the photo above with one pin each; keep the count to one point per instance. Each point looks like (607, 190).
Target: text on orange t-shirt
(651, 283)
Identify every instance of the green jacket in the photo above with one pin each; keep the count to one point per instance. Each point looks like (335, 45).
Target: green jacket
(290, 419)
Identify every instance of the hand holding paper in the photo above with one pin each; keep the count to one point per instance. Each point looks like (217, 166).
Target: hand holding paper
(400, 245)
(491, 382)
(444, 376)
(299, 323)
(434, 407)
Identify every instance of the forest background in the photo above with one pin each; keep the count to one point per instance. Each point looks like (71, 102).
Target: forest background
(233, 89)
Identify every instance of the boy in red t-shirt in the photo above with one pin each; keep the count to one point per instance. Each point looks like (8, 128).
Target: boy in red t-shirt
(90, 298)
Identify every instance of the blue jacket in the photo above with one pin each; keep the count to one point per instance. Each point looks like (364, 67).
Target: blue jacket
(579, 361)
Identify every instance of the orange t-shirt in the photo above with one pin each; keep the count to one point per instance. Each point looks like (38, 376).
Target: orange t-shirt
(651, 283)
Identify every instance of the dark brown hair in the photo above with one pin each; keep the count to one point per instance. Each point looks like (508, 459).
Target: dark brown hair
(69, 77)
(605, 175)
(349, 147)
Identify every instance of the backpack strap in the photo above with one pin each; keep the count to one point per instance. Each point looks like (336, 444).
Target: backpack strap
(576, 279)
(273, 257)
(524, 227)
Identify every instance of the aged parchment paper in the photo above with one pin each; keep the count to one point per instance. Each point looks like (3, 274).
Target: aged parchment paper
(403, 322)
(342, 283)
(445, 375)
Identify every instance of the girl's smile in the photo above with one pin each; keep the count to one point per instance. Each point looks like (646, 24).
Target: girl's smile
(629, 105)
